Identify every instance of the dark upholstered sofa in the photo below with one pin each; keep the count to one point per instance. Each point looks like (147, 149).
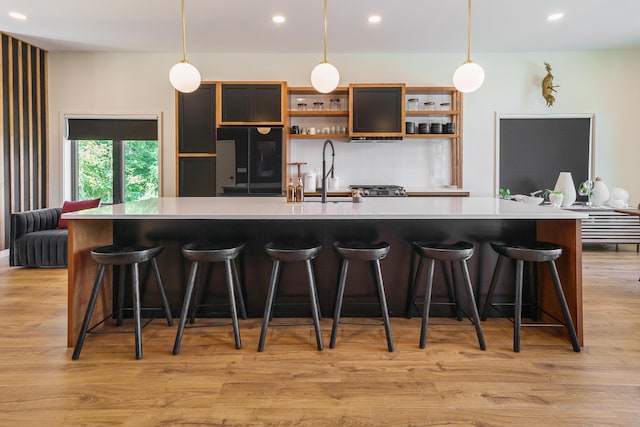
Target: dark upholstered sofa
(35, 239)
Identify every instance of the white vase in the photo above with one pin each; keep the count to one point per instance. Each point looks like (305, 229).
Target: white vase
(555, 200)
(600, 193)
(568, 188)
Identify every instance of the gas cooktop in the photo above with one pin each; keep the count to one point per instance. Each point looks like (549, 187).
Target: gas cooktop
(380, 190)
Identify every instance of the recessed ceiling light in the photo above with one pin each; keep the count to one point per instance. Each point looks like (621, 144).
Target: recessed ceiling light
(278, 19)
(555, 16)
(374, 19)
(17, 15)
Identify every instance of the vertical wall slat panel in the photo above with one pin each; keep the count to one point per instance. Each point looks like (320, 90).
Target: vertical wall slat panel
(43, 117)
(14, 184)
(3, 188)
(23, 124)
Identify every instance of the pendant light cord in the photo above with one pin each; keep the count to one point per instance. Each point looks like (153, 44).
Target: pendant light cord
(468, 30)
(184, 37)
(325, 30)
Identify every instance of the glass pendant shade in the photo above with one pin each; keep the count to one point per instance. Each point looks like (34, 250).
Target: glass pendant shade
(468, 77)
(325, 77)
(184, 77)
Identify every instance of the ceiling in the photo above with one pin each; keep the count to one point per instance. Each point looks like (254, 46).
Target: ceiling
(408, 26)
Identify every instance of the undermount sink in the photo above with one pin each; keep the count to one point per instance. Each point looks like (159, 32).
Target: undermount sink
(329, 199)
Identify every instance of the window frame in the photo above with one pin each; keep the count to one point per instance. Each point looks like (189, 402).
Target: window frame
(69, 152)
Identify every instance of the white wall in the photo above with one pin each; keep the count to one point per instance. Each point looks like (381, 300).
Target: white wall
(603, 83)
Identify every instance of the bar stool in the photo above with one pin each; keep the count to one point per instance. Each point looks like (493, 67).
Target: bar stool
(458, 252)
(372, 253)
(123, 256)
(291, 252)
(532, 253)
(202, 253)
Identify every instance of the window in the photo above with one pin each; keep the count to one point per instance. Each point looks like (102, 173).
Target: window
(114, 159)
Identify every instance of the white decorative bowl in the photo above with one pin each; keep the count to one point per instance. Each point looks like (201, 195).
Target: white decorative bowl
(528, 199)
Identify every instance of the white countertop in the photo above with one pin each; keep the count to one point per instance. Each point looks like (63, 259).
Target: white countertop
(275, 208)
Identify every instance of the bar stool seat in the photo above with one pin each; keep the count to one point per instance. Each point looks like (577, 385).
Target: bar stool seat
(116, 255)
(289, 251)
(205, 253)
(368, 252)
(431, 252)
(534, 252)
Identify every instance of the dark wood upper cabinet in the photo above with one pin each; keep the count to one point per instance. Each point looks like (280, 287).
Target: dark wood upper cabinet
(197, 120)
(254, 103)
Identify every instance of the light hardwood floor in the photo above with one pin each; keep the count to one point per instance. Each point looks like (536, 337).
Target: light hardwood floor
(359, 383)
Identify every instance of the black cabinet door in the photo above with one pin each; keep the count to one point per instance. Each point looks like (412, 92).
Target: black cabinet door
(267, 103)
(197, 177)
(197, 120)
(251, 103)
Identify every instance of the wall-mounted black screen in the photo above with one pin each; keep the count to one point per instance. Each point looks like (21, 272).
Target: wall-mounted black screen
(534, 150)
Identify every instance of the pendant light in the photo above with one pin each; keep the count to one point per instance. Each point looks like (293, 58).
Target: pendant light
(469, 76)
(325, 77)
(183, 76)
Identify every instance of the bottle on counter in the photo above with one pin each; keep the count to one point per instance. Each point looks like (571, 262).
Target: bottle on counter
(291, 192)
(299, 193)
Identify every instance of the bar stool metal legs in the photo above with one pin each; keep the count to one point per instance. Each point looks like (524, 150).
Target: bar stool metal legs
(372, 253)
(122, 256)
(458, 252)
(290, 253)
(532, 253)
(210, 253)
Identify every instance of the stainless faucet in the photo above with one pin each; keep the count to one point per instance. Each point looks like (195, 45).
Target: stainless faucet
(325, 174)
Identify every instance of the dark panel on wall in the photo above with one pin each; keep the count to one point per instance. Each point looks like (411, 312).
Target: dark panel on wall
(23, 125)
(534, 150)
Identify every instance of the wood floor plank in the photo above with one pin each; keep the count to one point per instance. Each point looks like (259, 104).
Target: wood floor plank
(359, 383)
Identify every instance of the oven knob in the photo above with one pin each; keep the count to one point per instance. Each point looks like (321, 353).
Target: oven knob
(366, 192)
(403, 192)
(396, 192)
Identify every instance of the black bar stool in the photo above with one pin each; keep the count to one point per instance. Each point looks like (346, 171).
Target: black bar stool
(291, 252)
(458, 252)
(199, 253)
(372, 253)
(532, 253)
(123, 256)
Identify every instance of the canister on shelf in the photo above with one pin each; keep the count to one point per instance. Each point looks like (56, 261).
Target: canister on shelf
(410, 128)
(429, 105)
(334, 104)
(412, 104)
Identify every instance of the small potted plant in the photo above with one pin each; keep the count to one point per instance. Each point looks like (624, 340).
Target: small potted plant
(555, 197)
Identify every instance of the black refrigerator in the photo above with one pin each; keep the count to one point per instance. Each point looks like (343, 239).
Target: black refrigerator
(249, 161)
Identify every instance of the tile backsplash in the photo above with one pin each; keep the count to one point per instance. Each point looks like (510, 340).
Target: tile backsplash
(409, 162)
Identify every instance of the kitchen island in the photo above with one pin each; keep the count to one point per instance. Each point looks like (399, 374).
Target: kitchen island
(173, 221)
